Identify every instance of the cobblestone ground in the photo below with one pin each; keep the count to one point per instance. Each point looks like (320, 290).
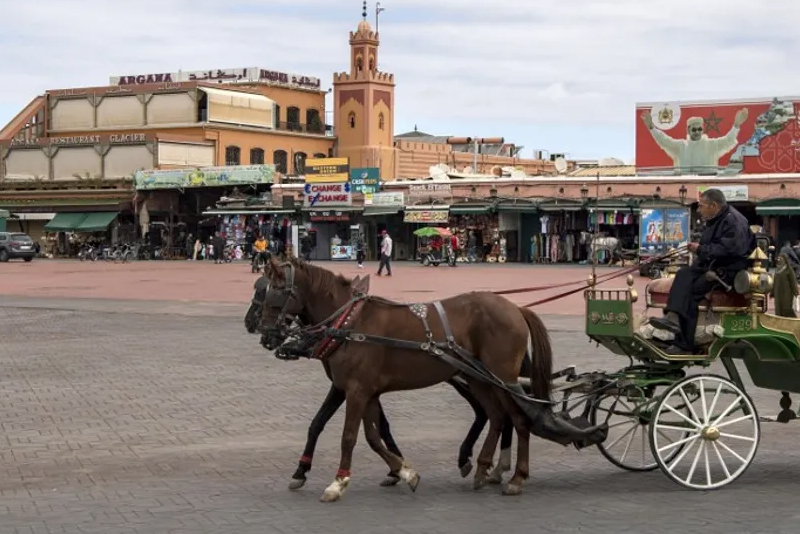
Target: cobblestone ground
(119, 419)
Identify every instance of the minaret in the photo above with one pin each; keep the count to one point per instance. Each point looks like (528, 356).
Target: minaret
(363, 102)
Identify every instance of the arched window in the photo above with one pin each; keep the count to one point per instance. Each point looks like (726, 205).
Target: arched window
(256, 156)
(351, 119)
(300, 162)
(381, 121)
(359, 64)
(320, 155)
(277, 116)
(313, 122)
(293, 118)
(371, 62)
(233, 155)
(280, 160)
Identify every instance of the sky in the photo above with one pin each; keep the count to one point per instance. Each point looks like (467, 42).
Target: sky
(555, 75)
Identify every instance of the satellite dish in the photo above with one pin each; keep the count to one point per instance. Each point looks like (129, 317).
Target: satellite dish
(443, 166)
(437, 173)
(561, 165)
(468, 170)
(507, 170)
(518, 173)
(497, 170)
(610, 162)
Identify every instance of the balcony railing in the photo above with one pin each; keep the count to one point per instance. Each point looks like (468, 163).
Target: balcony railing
(299, 127)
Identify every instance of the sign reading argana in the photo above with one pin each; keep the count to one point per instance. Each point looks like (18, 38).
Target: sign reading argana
(752, 136)
(321, 195)
(249, 74)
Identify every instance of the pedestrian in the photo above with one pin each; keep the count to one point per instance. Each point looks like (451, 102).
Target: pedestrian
(386, 254)
(471, 243)
(360, 251)
(219, 247)
(784, 290)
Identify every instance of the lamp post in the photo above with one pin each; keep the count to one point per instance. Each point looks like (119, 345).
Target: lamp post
(584, 192)
(682, 192)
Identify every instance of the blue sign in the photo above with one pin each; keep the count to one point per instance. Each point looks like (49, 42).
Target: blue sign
(365, 180)
(662, 229)
(307, 188)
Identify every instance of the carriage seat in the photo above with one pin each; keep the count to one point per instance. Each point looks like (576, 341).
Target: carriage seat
(658, 292)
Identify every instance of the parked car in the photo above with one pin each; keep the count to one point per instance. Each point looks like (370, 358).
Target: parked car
(16, 245)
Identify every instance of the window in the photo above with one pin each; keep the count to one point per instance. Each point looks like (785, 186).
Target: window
(359, 64)
(256, 156)
(300, 162)
(293, 118)
(351, 118)
(280, 161)
(277, 116)
(313, 122)
(320, 155)
(381, 121)
(371, 62)
(233, 155)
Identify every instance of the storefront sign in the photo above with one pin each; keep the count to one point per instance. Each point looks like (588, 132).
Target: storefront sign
(662, 229)
(249, 74)
(328, 216)
(430, 190)
(204, 177)
(385, 199)
(327, 170)
(83, 140)
(733, 193)
(341, 252)
(318, 195)
(365, 180)
(426, 216)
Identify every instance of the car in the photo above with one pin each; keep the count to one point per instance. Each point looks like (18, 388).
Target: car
(14, 245)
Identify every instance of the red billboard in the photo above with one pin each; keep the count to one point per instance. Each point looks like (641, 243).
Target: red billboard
(753, 136)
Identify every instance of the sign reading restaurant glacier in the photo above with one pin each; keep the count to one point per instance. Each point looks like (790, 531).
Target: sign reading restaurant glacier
(249, 74)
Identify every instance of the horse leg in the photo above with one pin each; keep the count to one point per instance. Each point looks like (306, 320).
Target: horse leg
(355, 405)
(330, 405)
(495, 415)
(395, 462)
(504, 463)
(522, 425)
(465, 451)
(386, 435)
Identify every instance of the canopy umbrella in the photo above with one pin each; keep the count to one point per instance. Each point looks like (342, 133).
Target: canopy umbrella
(430, 231)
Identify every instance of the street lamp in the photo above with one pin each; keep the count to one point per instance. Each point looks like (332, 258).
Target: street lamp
(584, 192)
(682, 193)
(493, 192)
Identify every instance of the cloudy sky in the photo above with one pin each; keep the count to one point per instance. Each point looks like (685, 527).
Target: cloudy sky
(558, 75)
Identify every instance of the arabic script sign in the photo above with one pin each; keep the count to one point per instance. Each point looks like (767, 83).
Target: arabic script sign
(249, 74)
(204, 177)
(426, 216)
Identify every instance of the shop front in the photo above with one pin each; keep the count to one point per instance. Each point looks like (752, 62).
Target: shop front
(518, 217)
(383, 211)
(240, 227)
(561, 222)
(617, 218)
(781, 218)
(478, 223)
(422, 215)
(330, 232)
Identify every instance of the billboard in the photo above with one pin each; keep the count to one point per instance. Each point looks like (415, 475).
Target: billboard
(204, 177)
(327, 170)
(324, 195)
(365, 180)
(662, 229)
(752, 136)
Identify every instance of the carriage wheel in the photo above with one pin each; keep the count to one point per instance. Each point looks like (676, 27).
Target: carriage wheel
(628, 416)
(721, 431)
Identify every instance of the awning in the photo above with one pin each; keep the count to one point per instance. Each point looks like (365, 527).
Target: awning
(518, 208)
(248, 212)
(561, 205)
(33, 216)
(95, 222)
(65, 222)
(376, 211)
(235, 107)
(779, 206)
(466, 209)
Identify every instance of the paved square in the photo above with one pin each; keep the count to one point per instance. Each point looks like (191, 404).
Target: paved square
(160, 417)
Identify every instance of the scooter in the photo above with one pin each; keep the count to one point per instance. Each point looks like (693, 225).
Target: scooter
(428, 258)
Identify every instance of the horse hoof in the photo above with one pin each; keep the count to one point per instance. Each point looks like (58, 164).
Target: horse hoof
(414, 482)
(297, 483)
(335, 491)
(478, 483)
(330, 496)
(466, 469)
(512, 489)
(495, 478)
(390, 480)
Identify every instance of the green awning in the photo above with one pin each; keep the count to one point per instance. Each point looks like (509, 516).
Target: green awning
(561, 205)
(518, 208)
(377, 211)
(779, 206)
(65, 222)
(95, 222)
(467, 209)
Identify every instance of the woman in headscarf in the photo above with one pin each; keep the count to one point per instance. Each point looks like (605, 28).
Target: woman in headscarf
(784, 289)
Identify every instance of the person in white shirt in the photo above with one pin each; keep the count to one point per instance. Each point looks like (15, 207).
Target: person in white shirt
(386, 254)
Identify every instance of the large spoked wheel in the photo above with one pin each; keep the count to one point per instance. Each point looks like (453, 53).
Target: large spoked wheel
(628, 414)
(719, 435)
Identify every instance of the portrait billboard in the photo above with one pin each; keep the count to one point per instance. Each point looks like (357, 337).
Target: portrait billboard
(754, 136)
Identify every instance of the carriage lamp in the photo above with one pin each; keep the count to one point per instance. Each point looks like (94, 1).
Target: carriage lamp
(584, 192)
(682, 192)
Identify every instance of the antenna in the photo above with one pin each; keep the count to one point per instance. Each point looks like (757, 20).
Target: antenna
(378, 10)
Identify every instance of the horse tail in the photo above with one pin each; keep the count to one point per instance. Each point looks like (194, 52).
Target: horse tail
(541, 353)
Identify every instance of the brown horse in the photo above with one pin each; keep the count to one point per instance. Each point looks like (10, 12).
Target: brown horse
(378, 346)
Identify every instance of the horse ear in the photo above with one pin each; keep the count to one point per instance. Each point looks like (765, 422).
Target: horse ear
(360, 285)
(274, 268)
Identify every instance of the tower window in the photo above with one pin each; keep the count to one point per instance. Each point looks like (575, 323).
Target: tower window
(371, 63)
(359, 63)
(381, 121)
(351, 118)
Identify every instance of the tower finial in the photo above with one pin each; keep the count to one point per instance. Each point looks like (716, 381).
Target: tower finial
(364, 11)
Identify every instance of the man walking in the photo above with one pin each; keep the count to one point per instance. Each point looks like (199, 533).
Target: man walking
(386, 254)
(360, 251)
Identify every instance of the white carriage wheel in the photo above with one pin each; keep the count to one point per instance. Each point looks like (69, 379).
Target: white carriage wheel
(628, 445)
(722, 432)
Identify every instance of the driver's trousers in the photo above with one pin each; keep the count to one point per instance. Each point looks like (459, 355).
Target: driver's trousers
(688, 289)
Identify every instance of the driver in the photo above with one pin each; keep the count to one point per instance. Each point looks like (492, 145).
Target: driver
(725, 245)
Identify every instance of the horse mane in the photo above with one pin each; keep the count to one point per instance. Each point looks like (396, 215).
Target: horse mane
(322, 282)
